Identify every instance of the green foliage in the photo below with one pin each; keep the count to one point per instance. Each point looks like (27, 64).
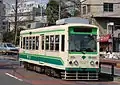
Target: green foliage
(8, 37)
(52, 11)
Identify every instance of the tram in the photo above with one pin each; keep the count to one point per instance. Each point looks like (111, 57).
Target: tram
(68, 51)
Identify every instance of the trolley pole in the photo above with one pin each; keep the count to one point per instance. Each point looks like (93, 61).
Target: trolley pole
(16, 11)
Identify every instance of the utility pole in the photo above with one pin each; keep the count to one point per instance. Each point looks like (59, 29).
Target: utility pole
(59, 9)
(16, 11)
(74, 8)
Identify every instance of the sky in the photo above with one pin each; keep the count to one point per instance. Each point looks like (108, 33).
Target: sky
(13, 1)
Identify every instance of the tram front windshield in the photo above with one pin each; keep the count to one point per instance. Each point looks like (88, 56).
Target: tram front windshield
(82, 42)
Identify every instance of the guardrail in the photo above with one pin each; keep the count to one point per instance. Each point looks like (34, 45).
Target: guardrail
(112, 66)
(115, 55)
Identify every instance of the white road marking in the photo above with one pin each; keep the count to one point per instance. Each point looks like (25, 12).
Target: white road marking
(13, 76)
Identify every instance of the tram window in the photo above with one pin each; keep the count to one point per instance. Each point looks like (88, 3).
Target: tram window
(42, 42)
(24, 43)
(33, 47)
(21, 42)
(63, 43)
(56, 42)
(37, 42)
(30, 42)
(47, 43)
(51, 42)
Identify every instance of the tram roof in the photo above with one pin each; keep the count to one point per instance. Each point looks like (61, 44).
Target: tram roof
(58, 26)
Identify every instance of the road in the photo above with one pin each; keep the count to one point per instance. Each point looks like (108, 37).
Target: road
(13, 74)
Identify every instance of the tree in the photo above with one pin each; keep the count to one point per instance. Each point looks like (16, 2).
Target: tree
(52, 11)
(8, 37)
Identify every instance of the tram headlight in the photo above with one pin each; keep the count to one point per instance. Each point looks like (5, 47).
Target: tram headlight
(92, 63)
(97, 63)
(76, 62)
(70, 62)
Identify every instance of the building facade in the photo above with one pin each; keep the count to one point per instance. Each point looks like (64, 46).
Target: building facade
(101, 12)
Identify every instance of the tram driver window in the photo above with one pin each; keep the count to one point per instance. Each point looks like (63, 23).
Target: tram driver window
(56, 42)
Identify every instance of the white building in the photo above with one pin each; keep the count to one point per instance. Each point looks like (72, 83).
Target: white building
(28, 11)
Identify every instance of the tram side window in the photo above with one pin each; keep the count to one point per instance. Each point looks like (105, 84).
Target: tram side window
(21, 42)
(56, 42)
(24, 43)
(37, 42)
(47, 43)
(33, 43)
(30, 42)
(42, 42)
(63, 43)
(52, 42)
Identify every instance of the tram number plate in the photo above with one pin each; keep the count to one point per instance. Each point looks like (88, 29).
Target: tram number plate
(83, 62)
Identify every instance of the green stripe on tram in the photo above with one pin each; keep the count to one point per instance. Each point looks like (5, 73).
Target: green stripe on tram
(43, 58)
(82, 53)
(41, 32)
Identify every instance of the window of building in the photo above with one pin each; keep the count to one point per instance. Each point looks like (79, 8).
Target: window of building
(3, 23)
(56, 42)
(37, 42)
(29, 26)
(108, 7)
(47, 43)
(63, 43)
(84, 9)
(119, 35)
(3, 27)
(88, 8)
(52, 42)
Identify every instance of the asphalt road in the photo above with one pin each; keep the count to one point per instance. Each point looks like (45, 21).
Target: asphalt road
(13, 74)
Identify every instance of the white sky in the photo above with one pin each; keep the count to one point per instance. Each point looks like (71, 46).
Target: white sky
(13, 1)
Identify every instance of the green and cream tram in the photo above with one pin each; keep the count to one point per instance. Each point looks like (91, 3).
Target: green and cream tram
(69, 51)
